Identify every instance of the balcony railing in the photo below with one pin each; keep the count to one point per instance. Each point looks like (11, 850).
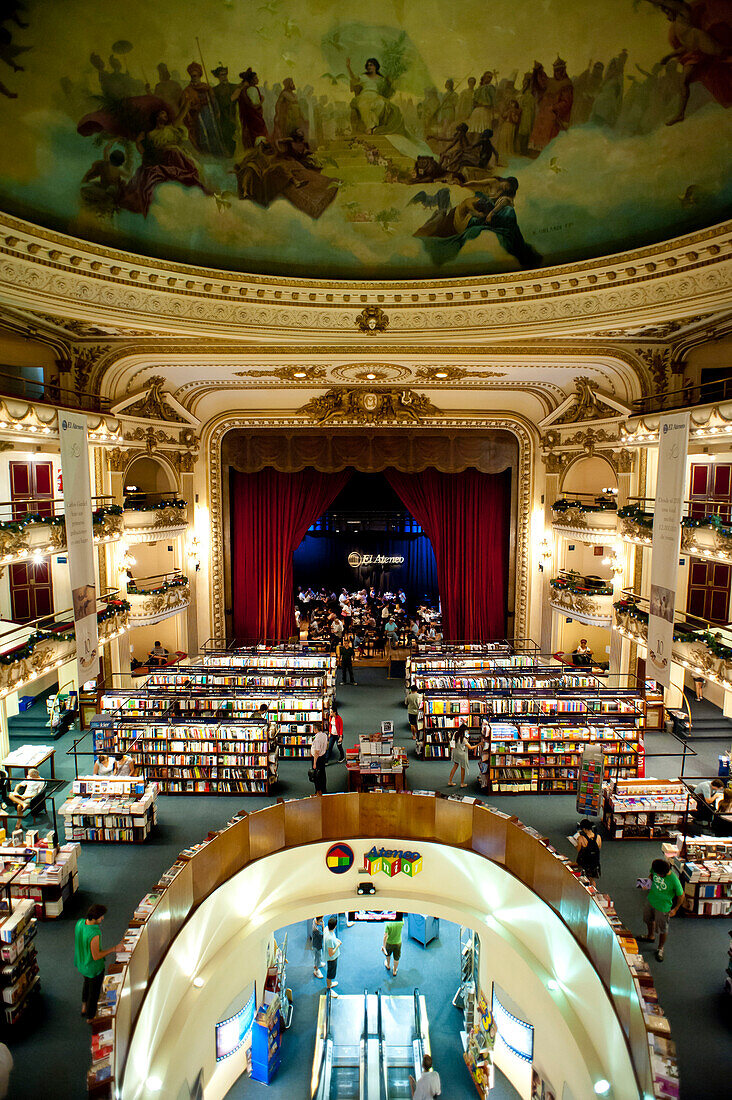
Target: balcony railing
(34, 527)
(152, 516)
(153, 599)
(585, 515)
(699, 645)
(59, 394)
(706, 530)
(587, 599)
(705, 393)
(30, 650)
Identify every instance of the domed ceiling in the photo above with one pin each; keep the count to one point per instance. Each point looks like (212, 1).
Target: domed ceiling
(401, 139)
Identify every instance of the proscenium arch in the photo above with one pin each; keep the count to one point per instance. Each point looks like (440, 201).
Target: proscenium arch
(479, 868)
(522, 487)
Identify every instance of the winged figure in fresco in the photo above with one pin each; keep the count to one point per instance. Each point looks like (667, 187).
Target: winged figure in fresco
(700, 35)
(490, 208)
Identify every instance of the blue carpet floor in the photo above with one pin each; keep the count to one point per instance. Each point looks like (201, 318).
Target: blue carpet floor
(55, 1039)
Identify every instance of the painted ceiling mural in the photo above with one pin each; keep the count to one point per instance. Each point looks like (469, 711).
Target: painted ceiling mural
(404, 138)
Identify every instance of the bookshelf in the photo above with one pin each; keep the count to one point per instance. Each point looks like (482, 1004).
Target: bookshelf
(204, 757)
(37, 870)
(117, 809)
(704, 866)
(643, 809)
(295, 715)
(530, 722)
(19, 978)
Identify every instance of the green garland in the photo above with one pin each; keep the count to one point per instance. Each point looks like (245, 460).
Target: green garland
(681, 633)
(178, 582)
(564, 505)
(18, 525)
(140, 506)
(580, 587)
(21, 652)
(636, 514)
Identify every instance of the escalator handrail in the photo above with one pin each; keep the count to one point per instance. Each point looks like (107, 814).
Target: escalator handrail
(321, 1092)
(418, 1031)
(383, 1069)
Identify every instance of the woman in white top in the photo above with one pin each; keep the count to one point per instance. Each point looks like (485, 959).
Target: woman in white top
(104, 765)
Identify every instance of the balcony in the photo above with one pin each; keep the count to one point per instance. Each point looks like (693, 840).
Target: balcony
(30, 650)
(585, 517)
(37, 528)
(153, 599)
(706, 530)
(588, 600)
(149, 517)
(702, 647)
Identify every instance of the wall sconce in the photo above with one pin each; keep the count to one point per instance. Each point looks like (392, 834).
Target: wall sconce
(194, 558)
(126, 561)
(615, 562)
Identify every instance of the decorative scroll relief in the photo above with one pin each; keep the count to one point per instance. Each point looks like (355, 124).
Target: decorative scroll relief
(587, 527)
(591, 610)
(693, 654)
(146, 609)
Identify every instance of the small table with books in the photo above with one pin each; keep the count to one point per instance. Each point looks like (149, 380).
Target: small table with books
(375, 762)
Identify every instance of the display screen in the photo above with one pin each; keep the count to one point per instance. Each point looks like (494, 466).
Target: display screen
(374, 915)
(517, 1035)
(231, 1033)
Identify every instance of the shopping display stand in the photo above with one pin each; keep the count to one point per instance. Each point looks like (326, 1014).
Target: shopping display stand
(113, 808)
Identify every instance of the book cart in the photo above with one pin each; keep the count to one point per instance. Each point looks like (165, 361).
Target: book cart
(531, 721)
(19, 977)
(118, 808)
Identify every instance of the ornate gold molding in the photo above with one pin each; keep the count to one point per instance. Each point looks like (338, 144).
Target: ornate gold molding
(344, 405)
(212, 443)
(43, 269)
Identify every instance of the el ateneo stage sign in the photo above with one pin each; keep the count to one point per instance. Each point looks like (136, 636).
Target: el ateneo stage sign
(672, 447)
(356, 559)
(80, 539)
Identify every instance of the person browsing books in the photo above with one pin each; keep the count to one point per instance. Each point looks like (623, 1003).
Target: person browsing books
(332, 953)
(318, 750)
(588, 849)
(663, 902)
(413, 700)
(316, 935)
(124, 765)
(459, 755)
(89, 957)
(104, 765)
(335, 734)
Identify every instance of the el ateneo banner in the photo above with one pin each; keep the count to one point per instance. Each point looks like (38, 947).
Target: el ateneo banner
(673, 443)
(80, 539)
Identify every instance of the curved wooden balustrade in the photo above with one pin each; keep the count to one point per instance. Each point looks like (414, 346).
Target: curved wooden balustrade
(419, 818)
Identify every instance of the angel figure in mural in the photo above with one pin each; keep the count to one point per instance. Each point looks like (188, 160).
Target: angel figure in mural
(701, 38)
(373, 110)
(491, 209)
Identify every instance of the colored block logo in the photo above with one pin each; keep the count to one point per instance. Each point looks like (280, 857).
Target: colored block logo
(339, 858)
(392, 862)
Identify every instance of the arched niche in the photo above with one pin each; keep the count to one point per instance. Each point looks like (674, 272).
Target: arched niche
(150, 474)
(589, 474)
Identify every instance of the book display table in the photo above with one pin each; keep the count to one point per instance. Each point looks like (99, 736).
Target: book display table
(116, 808)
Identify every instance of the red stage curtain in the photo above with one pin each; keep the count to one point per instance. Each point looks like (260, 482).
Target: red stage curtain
(270, 513)
(466, 516)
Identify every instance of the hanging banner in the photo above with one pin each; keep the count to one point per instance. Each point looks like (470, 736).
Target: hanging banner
(80, 539)
(673, 443)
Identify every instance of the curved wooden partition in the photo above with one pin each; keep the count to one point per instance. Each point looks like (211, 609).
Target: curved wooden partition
(402, 817)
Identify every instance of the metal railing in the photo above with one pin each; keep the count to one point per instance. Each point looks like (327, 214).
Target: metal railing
(702, 394)
(691, 624)
(46, 507)
(143, 586)
(137, 500)
(704, 508)
(594, 502)
(49, 392)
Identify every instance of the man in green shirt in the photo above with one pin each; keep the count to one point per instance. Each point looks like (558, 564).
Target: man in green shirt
(664, 900)
(89, 957)
(392, 945)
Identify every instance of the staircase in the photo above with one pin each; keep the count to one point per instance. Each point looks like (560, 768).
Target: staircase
(709, 722)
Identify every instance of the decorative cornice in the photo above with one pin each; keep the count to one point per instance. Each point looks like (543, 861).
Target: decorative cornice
(346, 405)
(43, 270)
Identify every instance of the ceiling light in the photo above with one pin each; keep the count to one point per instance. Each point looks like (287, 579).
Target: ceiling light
(553, 985)
(300, 374)
(155, 1084)
(198, 982)
(440, 374)
(602, 1087)
(371, 377)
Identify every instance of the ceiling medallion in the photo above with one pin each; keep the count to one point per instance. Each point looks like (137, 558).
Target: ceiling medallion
(372, 319)
(369, 407)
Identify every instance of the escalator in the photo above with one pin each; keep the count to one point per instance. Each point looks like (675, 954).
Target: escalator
(368, 1046)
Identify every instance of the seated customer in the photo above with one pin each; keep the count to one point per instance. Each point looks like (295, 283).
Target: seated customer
(124, 765)
(582, 655)
(157, 655)
(708, 794)
(27, 790)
